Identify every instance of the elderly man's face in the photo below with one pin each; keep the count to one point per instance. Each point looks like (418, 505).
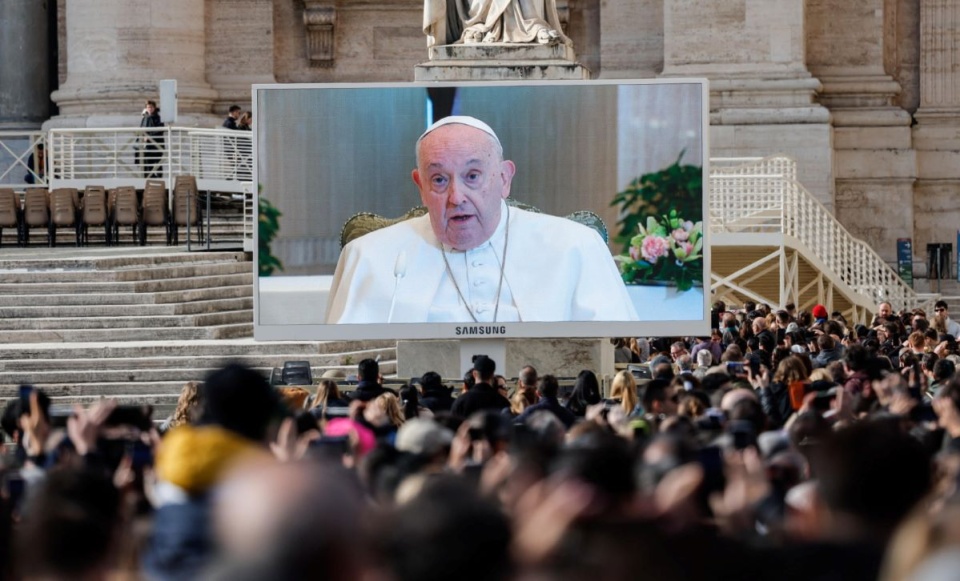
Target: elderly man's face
(886, 311)
(462, 180)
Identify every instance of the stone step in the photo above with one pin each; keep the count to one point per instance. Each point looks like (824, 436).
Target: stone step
(204, 348)
(130, 287)
(231, 331)
(169, 297)
(133, 380)
(495, 70)
(112, 310)
(128, 322)
(110, 258)
(127, 275)
(346, 361)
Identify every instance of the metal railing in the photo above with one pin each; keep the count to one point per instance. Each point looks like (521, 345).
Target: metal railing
(20, 164)
(762, 195)
(219, 159)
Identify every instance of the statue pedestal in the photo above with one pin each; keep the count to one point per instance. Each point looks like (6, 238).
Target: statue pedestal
(451, 358)
(501, 62)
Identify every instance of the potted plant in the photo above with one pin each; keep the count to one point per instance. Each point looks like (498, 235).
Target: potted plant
(661, 228)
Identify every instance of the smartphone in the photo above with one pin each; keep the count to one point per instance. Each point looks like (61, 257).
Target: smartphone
(140, 454)
(743, 434)
(59, 414)
(24, 392)
(821, 403)
(14, 485)
(735, 368)
(754, 365)
(131, 415)
(330, 447)
(710, 459)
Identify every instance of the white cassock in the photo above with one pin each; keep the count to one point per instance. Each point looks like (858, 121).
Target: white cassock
(556, 270)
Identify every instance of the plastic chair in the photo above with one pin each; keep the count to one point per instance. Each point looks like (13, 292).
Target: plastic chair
(186, 207)
(155, 209)
(11, 214)
(64, 212)
(126, 212)
(36, 212)
(94, 213)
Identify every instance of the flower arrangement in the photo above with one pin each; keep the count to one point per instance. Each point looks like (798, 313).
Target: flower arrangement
(665, 250)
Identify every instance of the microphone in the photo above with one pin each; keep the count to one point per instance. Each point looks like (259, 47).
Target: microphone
(399, 271)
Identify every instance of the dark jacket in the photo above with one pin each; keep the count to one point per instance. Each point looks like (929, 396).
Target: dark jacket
(481, 396)
(369, 390)
(553, 406)
(230, 123)
(775, 400)
(438, 399)
(827, 356)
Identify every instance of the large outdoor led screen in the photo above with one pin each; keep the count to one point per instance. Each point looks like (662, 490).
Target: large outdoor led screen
(574, 209)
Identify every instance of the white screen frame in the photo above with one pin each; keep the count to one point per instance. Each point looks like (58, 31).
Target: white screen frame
(313, 332)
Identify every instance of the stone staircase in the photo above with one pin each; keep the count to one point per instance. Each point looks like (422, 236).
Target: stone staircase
(136, 323)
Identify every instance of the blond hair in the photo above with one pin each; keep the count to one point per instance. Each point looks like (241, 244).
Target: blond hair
(391, 408)
(624, 388)
(188, 404)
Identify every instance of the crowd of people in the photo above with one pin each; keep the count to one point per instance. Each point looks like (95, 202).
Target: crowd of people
(785, 445)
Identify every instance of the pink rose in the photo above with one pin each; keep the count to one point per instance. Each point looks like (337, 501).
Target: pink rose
(681, 235)
(654, 247)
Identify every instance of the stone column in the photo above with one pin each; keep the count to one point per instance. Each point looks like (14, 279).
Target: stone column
(117, 52)
(937, 133)
(24, 80)
(240, 49)
(761, 93)
(851, 48)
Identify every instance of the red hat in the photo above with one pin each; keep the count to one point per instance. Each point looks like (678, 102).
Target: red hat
(819, 312)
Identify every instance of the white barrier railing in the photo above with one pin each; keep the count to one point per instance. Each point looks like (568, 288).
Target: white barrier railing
(219, 159)
(22, 158)
(763, 195)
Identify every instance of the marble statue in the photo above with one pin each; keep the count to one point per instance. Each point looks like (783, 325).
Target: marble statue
(488, 21)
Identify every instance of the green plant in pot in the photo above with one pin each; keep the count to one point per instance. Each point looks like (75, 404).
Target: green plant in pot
(661, 228)
(268, 226)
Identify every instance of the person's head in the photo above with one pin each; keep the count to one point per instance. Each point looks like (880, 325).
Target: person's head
(660, 397)
(586, 390)
(239, 399)
(327, 389)
(294, 397)
(235, 111)
(819, 312)
(704, 358)
(447, 530)
(791, 369)
(943, 370)
(246, 118)
(528, 376)
(940, 308)
(150, 107)
(463, 179)
(624, 388)
(70, 527)
(826, 342)
(188, 405)
(389, 406)
(677, 350)
(409, 401)
(917, 341)
(431, 382)
(549, 386)
(870, 475)
(885, 310)
(483, 369)
(368, 370)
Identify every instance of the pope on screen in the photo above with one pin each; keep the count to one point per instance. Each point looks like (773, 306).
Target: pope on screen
(473, 258)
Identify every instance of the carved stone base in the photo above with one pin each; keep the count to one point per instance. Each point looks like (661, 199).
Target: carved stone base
(560, 357)
(501, 61)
